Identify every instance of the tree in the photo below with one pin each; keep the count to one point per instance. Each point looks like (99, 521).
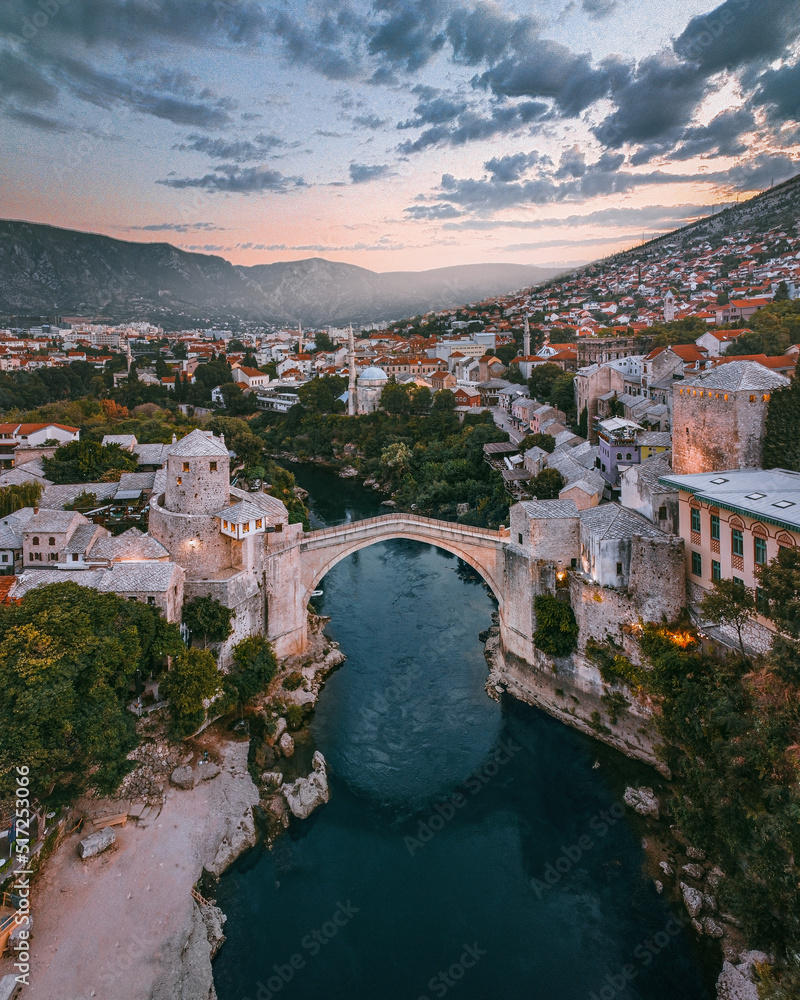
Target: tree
(562, 394)
(321, 395)
(782, 293)
(254, 666)
(782, 430)
(206, 618)
(541, 381)
(193, 679)
(723, 298)
(236, 403)
(544, 441)
(68, 658)
(394, 398)
(547, 485)
(556, 628)
(87, 462)
(583, 423)
(730, 604)
(779, 590)
(396, 460)
(15, 497)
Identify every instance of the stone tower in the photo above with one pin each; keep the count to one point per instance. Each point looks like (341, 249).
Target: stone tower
(198, 474)
(526, 338)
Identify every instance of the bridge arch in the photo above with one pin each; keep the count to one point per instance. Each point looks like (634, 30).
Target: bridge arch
(482, 549)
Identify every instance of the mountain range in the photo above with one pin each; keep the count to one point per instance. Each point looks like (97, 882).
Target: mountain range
(45, 270)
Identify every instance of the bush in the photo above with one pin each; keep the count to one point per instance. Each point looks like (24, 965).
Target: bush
(254, 666)
(295, 714)
(556, 629)
(614, 666)
(193, 679)
(293, 680)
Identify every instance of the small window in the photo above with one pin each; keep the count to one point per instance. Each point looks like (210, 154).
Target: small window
(619, 455)
(74, 556)
(760, 551)
(212, 466)
(225, 525)
(259, 524)
(716, 570)
(132, 599)
(35, 540)
(51, 541)
(246, 526)
(37, 556)
(752, 399)
(619, 569)
(755, 496)
(738, 581)
(519, 537)
(737, 542)
(783, 504)
(718, 482)
(715, 527)
(628, 455)
(179, 480)
(151, 600)
(697, 564)
(662, 513)
(695, 520)
(5, 559)
(185, 466)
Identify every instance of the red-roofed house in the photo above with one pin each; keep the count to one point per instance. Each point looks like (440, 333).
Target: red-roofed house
(250, 378)
(717, 342)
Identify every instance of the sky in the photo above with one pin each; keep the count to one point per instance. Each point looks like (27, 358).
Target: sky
(396, 134)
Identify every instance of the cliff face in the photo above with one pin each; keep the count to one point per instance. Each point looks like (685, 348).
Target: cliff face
(46, 270)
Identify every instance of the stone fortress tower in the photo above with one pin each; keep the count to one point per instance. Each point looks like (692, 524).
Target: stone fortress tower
(218, 534)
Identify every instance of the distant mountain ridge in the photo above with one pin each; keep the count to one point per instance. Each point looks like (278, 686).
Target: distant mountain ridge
(46, 270)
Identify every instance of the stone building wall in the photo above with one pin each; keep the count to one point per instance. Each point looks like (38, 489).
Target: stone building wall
(657, 583)
(202, 488)
(711, 434)
(193, 540)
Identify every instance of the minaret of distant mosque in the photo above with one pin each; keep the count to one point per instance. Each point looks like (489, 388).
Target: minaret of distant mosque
(526, 337)
(299, 337)
(351, 356)
(128, 353)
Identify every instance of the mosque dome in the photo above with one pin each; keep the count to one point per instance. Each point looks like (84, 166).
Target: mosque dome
(373, 374)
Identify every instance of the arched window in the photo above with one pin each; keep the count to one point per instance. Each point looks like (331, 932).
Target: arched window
(51, 540)
(35, 540)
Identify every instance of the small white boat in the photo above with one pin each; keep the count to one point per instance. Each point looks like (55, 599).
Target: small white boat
(316, 593)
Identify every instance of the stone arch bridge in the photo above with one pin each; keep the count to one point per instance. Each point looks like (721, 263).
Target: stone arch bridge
(299, 560)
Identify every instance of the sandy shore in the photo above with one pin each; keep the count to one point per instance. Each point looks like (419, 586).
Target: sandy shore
(124, 925)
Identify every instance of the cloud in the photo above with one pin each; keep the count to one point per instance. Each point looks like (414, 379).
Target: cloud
(248, 180)
(369, 121)
(36, 120)
(483, 33)
(360, 173)
(177, 227)
(598, 8)
(432, 212)
(512, 167)
(723, 136)
(756, 174)
(779, 90)
(739, 33)
(660, 217)
(471, 126)
(434, 111)
(240, 150)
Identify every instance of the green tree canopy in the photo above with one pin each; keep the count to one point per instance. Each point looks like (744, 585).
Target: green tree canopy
(254, 666)
(544, 441)
(193, 679)
(547, 485)
(87, 462)
(68, 655)
(730, 603)
(782, 431)
(321, 395)
(556, 628)
(208, 619)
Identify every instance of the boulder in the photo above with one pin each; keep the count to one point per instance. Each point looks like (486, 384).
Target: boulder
(709, 902)
(666, 868)
(213, 918)
(287, 745)
(348, 472)
(96, 843)
(239, 840)
(644, 801)
(208, 771)
(692, 898)
(749, 959)
(696, 854)
(732, 985)
(307, 794)
(693, 871)
(715, 876)
(182, 777)
(272, 779)
(712, 928)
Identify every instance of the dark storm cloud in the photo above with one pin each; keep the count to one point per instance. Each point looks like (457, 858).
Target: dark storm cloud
(232, 178)
(411, 33)
(360, 173)
(25, 82)
(659, 98)
(240, 150)
(738, 33)
(434, 111)
(723, 136)
(779, 90)
(473, 125)
(484, 34)
(756, 174)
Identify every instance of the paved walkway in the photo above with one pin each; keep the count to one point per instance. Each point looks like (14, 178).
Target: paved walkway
(503, 421)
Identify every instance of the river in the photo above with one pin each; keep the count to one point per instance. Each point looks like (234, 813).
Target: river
(469, 849)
